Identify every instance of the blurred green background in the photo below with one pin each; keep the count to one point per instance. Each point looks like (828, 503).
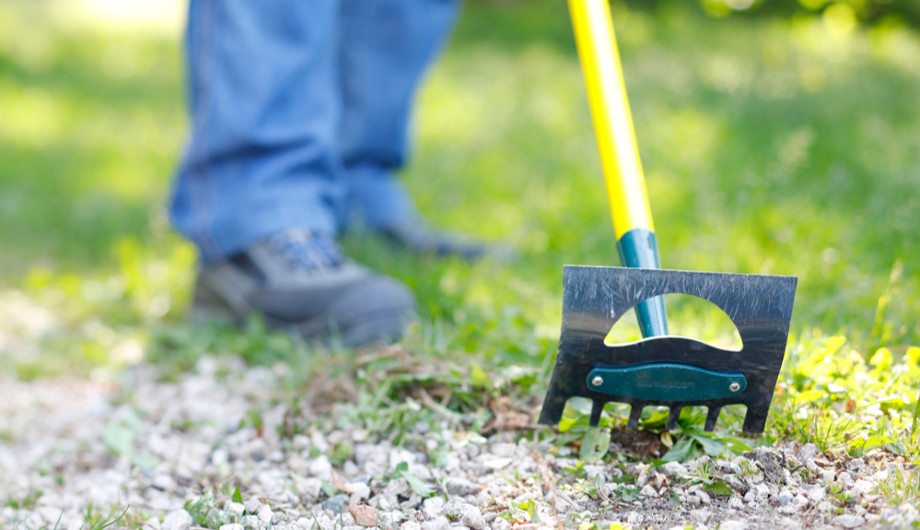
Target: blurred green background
(778, 138)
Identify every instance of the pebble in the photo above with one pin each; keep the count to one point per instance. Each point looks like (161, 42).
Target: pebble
(861, 487)
(806, 453)
(265, 513)
(673, 469)
(735, 503)
(178, 520)
(364, 515)
(816, 494)
(700, 516)
(335, 504)
(733, 524)
(784, 497)
(439, 523)
(460, 486)
(501, 524)
(433, 507)
(849, 521)
(253, 505)
(358, 490)
(472, 517)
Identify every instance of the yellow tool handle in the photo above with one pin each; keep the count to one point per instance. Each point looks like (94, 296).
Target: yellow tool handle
(613, 123)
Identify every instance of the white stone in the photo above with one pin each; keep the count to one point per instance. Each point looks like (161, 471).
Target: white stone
(733, 524)
(735, 503)
(251, 522)
(862, 487)
(806, 453)
(252, 505)
(648, 491)
(704, 497)
(849, 521)
(784, 497)
(231, 526)
(816, 494)
(439, 523)
(177, 520)
(762, 493)
(357, 489)
(433, 507)
(472, 517)
(700, 516)
(310, 487)
(672, 469)
(265, 513)
(501, 524)
(460, 486)
(592, 471)
(321, 468)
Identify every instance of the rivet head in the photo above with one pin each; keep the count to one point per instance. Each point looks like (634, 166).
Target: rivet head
(597, 381)
(734, 387)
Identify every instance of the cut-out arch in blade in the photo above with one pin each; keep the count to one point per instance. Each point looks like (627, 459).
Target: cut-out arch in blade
(688, 316)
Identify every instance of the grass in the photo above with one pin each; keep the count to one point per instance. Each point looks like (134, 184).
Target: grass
(770, 146)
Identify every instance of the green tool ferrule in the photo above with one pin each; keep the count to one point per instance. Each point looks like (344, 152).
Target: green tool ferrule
(666, 382)
(638, 248)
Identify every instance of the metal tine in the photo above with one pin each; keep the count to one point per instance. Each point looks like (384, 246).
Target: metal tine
(634, 412)
(673, 416)
(597, 407)
(712, 415)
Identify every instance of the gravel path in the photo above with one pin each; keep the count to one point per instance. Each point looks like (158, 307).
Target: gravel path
(74, 454)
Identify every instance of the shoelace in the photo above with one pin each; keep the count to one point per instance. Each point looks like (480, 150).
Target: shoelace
(303, 250)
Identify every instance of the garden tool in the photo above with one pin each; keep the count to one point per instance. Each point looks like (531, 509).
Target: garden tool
(659, 369)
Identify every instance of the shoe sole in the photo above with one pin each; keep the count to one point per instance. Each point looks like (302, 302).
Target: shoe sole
(384, 324)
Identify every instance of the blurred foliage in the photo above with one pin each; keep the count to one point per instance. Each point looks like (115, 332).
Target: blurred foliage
(868, 11)
(852, 11)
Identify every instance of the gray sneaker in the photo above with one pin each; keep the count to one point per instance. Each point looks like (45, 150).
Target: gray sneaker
(303, 283)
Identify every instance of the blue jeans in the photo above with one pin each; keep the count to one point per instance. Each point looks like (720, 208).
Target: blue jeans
(300, 114)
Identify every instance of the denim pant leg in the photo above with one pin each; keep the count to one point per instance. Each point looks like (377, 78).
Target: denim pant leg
(265, 103)
(385, 48)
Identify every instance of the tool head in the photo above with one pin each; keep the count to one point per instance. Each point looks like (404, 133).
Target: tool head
(671, 371)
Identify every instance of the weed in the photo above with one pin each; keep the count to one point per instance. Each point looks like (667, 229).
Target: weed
(27, 502)
(96, 519)
(900, 485)
(206, 513)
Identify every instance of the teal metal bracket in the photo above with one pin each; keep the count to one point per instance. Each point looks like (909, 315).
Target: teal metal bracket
(666, 382)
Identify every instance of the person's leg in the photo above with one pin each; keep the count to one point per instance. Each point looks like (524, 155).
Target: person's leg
(261, 182)
(386, 47)
(265, 108)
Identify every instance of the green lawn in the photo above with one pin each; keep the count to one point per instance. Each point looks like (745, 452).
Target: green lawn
(770, 146)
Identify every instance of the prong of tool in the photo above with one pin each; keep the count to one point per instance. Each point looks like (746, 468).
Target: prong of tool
(597, 408)
(634, 412)
(712, 415)
(673, 416)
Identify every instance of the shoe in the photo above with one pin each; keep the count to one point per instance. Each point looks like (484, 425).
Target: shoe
(417, 237)
(303, 283)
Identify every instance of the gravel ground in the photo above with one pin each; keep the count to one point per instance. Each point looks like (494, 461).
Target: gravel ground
(71, 452)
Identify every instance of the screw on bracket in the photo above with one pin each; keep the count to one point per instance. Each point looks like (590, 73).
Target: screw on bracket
(734, 387)
(597, 381)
